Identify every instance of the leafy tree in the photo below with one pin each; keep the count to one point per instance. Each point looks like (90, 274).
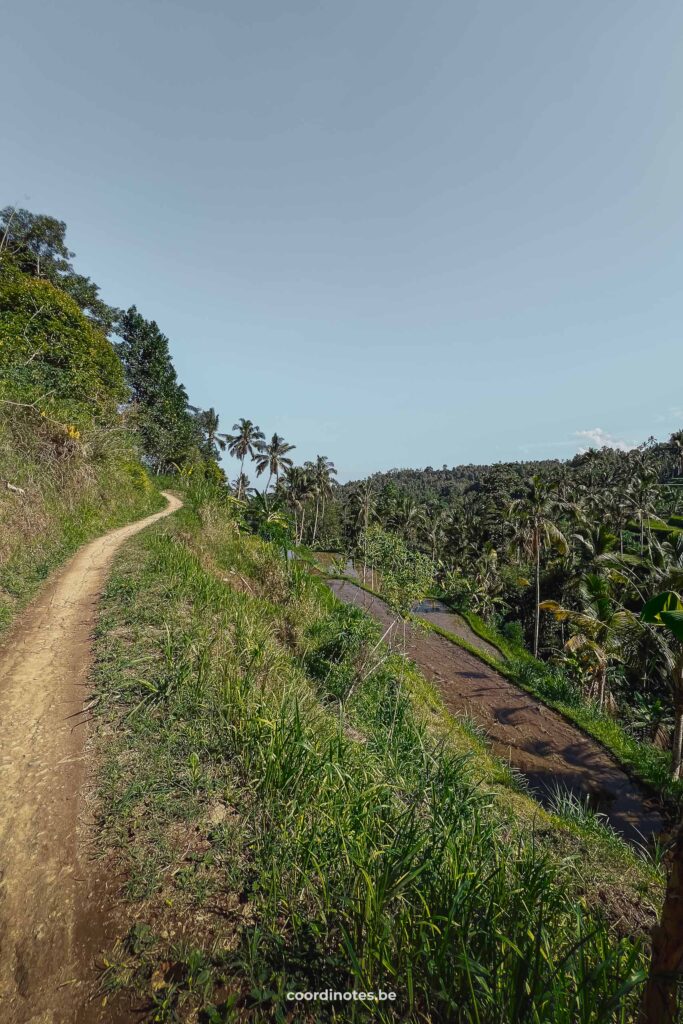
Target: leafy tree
(406, 575)
(35, 244)
(169, 432)
(50, 352)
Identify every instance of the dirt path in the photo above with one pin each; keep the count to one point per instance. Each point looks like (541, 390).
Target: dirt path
(48, 886)
(548, 749)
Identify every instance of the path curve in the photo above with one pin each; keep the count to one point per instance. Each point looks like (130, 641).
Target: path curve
(543, 745)
(47, 883)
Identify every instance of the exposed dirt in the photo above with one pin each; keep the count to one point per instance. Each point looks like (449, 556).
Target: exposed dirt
(51, 925)
(543, 745)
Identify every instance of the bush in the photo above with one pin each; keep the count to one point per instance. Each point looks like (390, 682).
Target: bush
(514, 632)
(52, 355)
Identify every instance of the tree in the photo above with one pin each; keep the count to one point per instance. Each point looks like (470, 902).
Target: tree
(168, 430)
(298, 490)
(241, 486)
(534, 530)
(676, 445)
(600, 631)
(247, 440)
(660, 999)
(35, 244)
(274, 458)
(664, 612)
(363, 508)
(50, 352)
(322, 471)
(213, 442)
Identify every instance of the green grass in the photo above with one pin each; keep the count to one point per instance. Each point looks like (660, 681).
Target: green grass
(292, 810)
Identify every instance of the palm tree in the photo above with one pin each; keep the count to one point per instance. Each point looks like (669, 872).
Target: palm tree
(434, 529)
(247, 440)
(208, 424)
(534, 530)
(601, 632)
(298, 490)
(241, 486)
(273, 457)
(407, 517)
(640, 497)
(664, 614)
(322, 471)
(676, 445)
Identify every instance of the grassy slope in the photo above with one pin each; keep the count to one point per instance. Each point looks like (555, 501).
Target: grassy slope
(270, 841)
(74, 489)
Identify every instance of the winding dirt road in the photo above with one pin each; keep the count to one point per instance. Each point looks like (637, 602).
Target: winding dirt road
(543, 745)
(49, 890)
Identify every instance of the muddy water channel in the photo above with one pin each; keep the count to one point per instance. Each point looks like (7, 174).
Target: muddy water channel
(547, 749)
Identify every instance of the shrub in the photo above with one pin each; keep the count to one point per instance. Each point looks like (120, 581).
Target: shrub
(52, 355)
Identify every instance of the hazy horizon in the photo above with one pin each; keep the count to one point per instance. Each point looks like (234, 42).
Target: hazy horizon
(399, 235)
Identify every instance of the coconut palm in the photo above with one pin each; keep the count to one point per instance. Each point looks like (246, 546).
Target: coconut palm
(407, 517)
(241, 486)
(532, 519)
(298, 490)
(434, 529)
(364, 511)
(676, 444)
(322, 471)
(601, 632)
(273, 457)
(664, 614)
(208, 424)
(247, 440)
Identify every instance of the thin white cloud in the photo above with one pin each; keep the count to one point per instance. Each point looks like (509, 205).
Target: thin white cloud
(599, 438)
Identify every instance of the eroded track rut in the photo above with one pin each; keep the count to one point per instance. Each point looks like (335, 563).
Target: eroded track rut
(50, 928)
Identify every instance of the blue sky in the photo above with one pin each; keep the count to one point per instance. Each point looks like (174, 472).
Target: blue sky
(400, 233)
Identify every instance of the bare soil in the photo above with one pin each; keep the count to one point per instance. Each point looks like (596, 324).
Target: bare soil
(52, 895)
(536, 740)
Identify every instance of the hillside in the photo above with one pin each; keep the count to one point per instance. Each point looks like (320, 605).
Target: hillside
(292, 809)
(419, 735)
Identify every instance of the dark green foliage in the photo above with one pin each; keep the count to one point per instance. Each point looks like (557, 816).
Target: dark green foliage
(168, 430)
(35, 244)
(358, 852)
(50, 353)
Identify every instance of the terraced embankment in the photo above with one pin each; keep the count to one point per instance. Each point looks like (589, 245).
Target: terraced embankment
(539, 742)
